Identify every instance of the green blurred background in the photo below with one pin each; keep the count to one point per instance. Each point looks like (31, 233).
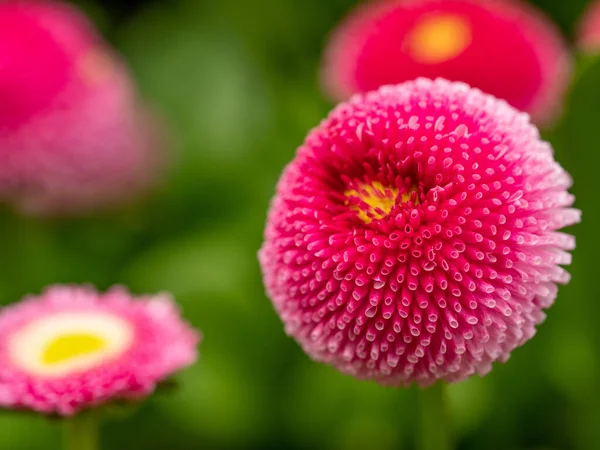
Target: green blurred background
(236, 82)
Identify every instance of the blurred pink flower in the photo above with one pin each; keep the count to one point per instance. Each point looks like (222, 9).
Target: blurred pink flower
(73, 137)
(588, 33)
(414, 236)
(73, 348)
(503, 47)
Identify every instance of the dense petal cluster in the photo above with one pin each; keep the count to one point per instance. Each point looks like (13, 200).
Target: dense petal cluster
(588, 34)
(73, 136)
(503, 47)
(73, 348)
(414, 236)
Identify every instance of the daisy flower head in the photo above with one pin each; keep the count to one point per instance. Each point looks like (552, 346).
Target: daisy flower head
(414, 236)
(73, 348)
(73, 136)
(503, 47)
(588, 33)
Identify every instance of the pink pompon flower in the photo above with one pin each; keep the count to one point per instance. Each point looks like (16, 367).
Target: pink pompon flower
(588, 33)
(414, 236)
(73, 136)
(503, 47)
(72, 348)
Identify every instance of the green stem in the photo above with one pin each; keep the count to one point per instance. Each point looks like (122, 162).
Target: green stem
(81, 432)
(434, 423)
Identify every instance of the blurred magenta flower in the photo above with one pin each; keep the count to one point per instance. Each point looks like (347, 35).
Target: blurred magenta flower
(73, 136)
(503, 47)
(588, 33)
(71, 348)
(414, 236)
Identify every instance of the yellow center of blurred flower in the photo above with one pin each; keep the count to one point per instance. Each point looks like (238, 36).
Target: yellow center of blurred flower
(376, 200)
(69, 346)
(438, 38)
(67, 342)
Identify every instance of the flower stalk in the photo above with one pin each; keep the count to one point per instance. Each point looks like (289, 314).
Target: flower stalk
(434, 432)
(82, 432)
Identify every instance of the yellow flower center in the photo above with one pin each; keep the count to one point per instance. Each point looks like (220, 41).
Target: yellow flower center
(69, 346)
(376, 200)
(438, 38)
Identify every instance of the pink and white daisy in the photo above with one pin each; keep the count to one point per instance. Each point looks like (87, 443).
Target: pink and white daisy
(414, 236)
(73, 348)
(73, 136)
(503, 47)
